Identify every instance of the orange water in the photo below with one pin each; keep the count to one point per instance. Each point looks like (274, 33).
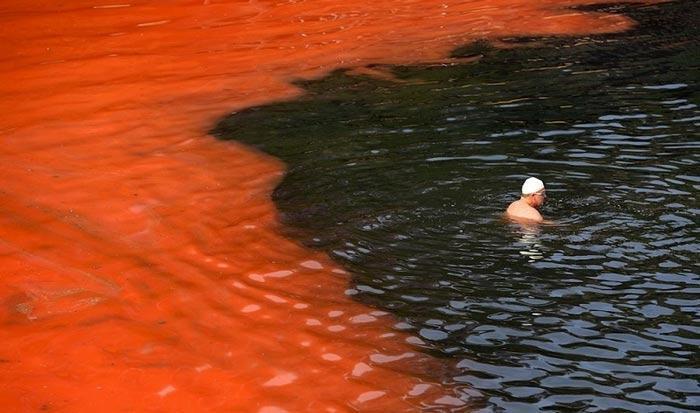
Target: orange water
(142, 268)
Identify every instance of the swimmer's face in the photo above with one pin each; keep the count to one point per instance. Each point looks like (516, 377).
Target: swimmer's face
(538, 198)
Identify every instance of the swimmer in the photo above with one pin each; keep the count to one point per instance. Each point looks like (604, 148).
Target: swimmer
(526, 208)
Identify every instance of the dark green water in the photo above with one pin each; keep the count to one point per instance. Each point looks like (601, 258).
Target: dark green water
(404, 184)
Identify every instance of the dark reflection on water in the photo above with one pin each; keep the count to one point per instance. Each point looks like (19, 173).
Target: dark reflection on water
(404, 182)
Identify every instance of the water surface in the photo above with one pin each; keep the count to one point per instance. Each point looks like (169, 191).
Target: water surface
(402, 176)
(142, 263)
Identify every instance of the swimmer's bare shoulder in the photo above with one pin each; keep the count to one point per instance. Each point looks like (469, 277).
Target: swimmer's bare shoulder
(521, 211)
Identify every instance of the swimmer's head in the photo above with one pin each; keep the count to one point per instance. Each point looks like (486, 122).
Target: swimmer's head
(533, 192)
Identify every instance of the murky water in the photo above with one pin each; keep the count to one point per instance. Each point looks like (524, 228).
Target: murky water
(402, 176)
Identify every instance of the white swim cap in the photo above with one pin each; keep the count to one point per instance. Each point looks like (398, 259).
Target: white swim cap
(532, 185)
